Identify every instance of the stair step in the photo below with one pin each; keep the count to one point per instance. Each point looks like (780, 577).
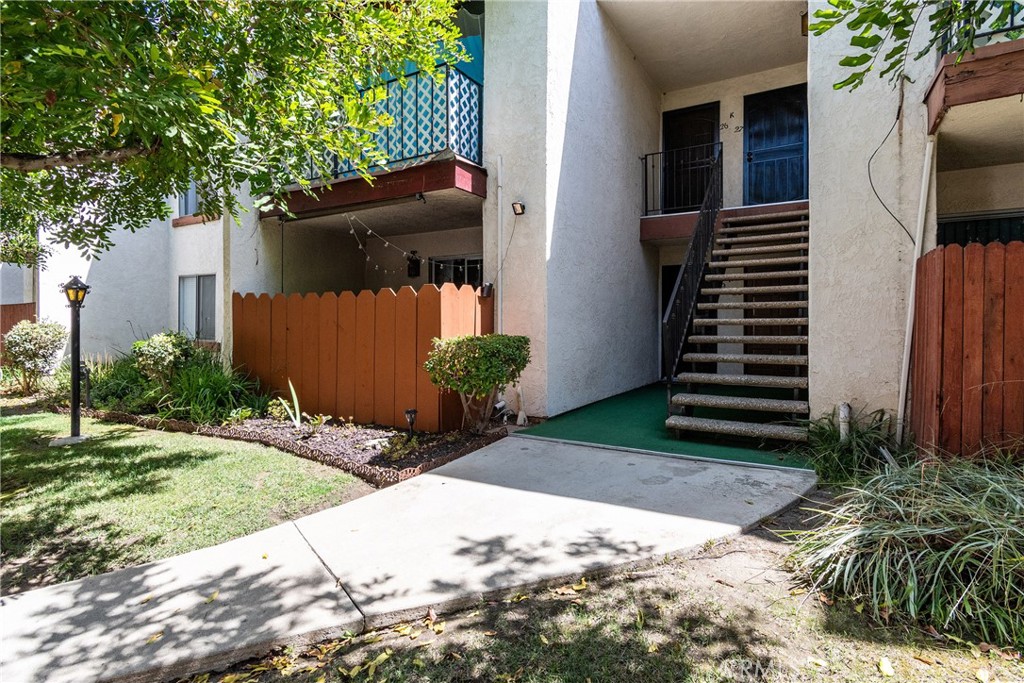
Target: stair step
(745, 358)
(778, 275)
(742, 380)
(750, 322)
(777, 237)
(771, 405)
(740, 291)
(782, 339)
(785, 261)
(765, 217)
(763, 227)
(746, 305)
(771, 249)
(752, 429)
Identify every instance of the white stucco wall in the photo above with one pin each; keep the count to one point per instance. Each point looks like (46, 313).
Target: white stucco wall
(989, 188)
(729, 94)
(17, 284)
(603, 114)
(128, 300)
(439, 244)
(514, 152)
(860, 258)
(196, 250)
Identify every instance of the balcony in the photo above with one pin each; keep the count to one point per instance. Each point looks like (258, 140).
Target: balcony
(431, 117)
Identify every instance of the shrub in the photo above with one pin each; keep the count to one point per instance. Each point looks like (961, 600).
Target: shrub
(840, 462)
(939, 542)
(203, 391)
(33, 350)
(161, 355)
(120, 385)
(478, 368)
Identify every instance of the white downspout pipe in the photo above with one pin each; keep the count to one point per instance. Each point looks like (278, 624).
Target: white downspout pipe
(922, 209)
(501, 241)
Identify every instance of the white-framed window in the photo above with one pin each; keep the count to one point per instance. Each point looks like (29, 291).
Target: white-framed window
(197, 306)
(188, 203)
(461, 270)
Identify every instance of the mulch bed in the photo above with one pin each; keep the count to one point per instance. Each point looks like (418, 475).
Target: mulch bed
(378, 455)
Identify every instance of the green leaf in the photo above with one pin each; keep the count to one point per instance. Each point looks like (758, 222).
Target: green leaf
(855, 60)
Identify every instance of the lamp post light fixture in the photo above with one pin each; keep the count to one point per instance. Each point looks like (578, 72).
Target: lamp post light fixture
(75, 291)
(410, 417)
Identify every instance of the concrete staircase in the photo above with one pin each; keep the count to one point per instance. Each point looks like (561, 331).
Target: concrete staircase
(745, 358)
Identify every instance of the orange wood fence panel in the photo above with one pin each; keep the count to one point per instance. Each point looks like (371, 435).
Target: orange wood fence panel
(967, 367)
(11, 315)
(358, 356)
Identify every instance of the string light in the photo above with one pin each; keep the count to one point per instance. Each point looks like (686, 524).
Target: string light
(456, 269)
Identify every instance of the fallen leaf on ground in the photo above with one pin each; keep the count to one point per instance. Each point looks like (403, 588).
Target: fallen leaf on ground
(431, 615)
(402, 629)
(652, 648)
(581, 586)
(544, 639)
(817, 662)
(264, 556)
(518, 597)
(438, 628)
(923, 660)
(798, 591)
(146, 599)
(885, 667)
(859, 608)
(213, 596)
(563, 590)
(155, 637)
(982, 675)
(490, 633)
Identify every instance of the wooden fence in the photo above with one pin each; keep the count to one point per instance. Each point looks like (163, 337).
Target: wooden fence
(11, 315)
(358, 356)
(967, 368)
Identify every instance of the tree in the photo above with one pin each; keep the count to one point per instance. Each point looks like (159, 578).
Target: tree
(883, 30)
(108, 108)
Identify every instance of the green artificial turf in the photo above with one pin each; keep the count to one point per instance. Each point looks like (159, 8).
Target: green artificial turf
(636, 419)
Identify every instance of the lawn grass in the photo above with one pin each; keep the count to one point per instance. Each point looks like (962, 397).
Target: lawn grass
(129, 496)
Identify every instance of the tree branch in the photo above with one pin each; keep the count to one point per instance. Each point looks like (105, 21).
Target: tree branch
(27, 163)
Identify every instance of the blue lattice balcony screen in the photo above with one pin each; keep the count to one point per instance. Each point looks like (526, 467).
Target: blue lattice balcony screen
(430, 117)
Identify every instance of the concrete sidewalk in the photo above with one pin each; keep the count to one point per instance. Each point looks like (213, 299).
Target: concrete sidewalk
(516, 513)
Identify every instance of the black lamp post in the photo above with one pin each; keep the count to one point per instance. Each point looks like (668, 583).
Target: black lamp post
(75, 290)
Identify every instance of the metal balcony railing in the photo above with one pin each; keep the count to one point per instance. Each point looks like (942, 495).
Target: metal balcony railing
(430, 116)
(995, 28)
(676, 180)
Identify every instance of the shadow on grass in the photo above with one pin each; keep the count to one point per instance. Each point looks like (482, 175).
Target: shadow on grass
(571, 640)
(52, 530)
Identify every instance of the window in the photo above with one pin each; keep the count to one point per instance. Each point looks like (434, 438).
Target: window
(187, 203)
(197, 306)
(461, 270)
(994, 227)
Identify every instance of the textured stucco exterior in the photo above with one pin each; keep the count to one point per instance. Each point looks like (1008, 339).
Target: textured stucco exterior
(129, 297)
(729, 94)
(860, 258)
(988, 188)
(17, 284)
(603, 114)
(515, 154)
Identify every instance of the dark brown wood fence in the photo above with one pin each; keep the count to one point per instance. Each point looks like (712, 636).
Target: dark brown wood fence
(967, 367)
(11, 315)
(358, 356)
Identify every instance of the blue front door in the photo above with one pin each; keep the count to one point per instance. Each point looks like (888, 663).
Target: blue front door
(775, 146)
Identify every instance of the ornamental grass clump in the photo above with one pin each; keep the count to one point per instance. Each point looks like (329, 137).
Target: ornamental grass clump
(478, 368)
(941, 543)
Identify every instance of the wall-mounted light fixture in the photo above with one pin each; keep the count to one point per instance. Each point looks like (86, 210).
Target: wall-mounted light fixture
(414, 264)
(518, 208)
(803, 24)
(486, 290)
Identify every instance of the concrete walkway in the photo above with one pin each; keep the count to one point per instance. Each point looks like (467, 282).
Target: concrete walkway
(516, 513)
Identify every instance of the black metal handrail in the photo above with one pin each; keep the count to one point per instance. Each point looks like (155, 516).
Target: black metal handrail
(679, 314)
(676, 180)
